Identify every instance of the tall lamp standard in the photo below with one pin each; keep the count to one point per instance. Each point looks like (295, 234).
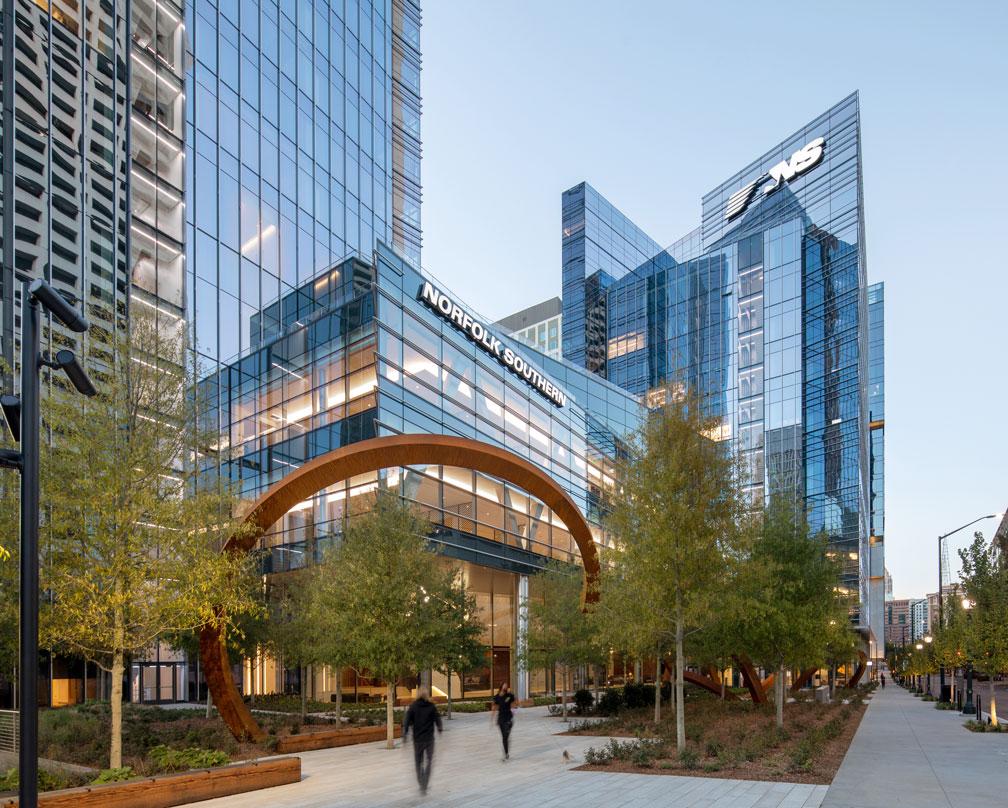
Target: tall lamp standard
(941, 600)
(927, 640)
(968, 707)
(22, 415)
(919, 647)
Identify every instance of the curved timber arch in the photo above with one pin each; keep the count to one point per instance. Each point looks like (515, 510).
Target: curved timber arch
(360, 458)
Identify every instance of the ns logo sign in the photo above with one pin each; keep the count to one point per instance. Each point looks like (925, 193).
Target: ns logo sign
(808, 156)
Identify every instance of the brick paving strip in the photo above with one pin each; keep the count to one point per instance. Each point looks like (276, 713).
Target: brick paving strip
(468, 772)
(907, 753)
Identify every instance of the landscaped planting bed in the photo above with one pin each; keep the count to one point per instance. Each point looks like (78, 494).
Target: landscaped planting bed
(733, 739)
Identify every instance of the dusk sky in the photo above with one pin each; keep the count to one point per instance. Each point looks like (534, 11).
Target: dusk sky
(657, 103)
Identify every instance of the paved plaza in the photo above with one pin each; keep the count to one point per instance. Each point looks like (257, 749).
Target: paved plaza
(905, 754)
(468, 772)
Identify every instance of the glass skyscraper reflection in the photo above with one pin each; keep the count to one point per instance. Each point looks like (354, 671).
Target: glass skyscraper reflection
(302, 147)
(763, 310)
(93, 112)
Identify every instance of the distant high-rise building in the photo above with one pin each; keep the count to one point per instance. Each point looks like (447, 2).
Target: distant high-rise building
(904, 621)
(888, 586)
(537, 326)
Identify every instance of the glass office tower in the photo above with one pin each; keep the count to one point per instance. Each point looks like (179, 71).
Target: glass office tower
(762, 310)
(93, 118)
(302, 149)
(876, 425)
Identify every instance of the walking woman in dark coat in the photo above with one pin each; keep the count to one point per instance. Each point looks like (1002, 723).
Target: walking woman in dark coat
(503, 704)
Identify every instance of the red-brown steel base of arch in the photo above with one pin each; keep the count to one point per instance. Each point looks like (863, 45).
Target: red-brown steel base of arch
(707, 683)
(802, 678)
(859, 671)
(360, 458)
(751, 679)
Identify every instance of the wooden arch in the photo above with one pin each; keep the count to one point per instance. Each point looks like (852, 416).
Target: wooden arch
(360, 458)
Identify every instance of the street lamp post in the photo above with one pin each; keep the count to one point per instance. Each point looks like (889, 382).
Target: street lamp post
(941, 600)
(968, 707)
(22, 417)
(927, 641)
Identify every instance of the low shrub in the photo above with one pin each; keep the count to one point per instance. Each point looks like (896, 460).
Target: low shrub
(688, 757)
(944, 705)
(47, 780)
(634, 697)
(983, 726)
(114, 775)
(465, 707)
(583, 701)
(714, 749)
(801, 757)
(175, 760)
(610, 702)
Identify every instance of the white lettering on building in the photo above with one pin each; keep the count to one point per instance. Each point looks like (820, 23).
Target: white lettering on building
(808, 156)
(442, 305)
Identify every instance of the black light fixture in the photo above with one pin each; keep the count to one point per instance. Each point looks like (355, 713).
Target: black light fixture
(58, 306)
(11, 406)
(67, 362)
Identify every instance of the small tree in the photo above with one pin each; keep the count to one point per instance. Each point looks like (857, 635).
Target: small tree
(628, 622)
(462, 649)
(676, 516)
(984, 577)
(134, 528)
(378, 592)
(559, 630)
(791, 582)
(840, 643)
(9, 583)
(294, 634)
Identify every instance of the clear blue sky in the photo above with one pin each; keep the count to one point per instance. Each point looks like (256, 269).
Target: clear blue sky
(655, 103)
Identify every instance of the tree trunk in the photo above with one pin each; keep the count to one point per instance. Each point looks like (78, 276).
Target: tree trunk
(209, 701)
(304, 691)
(389, 715)
(993, 704)
(115, 740)
(781, 690)
(339, 696)
(563, 695)
(724, 673)
(680, 695)
(832, 681)
(657, 686)
(449, 694)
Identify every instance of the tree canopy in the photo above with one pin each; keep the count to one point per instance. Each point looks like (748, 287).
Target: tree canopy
(134, 524)
(676, 515)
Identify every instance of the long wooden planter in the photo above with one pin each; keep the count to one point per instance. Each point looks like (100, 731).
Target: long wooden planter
(167, 790)
(328, 738)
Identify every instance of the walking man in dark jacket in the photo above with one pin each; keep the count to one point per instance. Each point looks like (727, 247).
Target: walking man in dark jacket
(422, 716)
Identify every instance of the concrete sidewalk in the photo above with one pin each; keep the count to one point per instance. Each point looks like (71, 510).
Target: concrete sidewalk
(468, 773)
(907, 753)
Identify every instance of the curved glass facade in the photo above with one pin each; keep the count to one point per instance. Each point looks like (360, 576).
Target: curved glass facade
(360, 355)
